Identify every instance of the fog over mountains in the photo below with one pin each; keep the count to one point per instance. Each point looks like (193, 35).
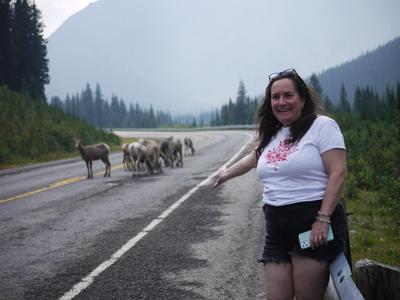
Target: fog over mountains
(378, 69)
(188, 56)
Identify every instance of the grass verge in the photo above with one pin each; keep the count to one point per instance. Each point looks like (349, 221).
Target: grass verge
(374, 232)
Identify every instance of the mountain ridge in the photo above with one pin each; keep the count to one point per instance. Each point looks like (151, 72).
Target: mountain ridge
(376, 69)
(176, 56)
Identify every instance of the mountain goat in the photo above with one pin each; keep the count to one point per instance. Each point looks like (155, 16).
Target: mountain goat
(188, 146)
(140, 155)
(90, 153)
(171, 151)
(154, 154)
(126, 158)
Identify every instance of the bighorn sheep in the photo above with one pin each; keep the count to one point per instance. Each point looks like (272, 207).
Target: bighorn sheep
(126, 160)
(171, 151)
(140, 155)
(153, 152)
(90, 153)
(188, 146)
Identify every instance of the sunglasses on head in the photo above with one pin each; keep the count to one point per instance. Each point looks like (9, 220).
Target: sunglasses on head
(284, 73)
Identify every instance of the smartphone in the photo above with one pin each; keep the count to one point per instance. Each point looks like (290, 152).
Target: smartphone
(304, 238)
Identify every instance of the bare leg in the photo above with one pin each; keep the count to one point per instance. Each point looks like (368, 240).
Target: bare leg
(310, 278)
(279, 283)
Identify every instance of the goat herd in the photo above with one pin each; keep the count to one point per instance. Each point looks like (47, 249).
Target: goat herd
(144, 156)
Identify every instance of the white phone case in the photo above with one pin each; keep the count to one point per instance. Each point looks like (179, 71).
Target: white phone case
(304, 238)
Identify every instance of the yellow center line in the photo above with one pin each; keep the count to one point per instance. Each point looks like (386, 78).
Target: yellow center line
(55, 185)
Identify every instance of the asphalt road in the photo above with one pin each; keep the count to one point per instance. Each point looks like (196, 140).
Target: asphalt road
(169, 236)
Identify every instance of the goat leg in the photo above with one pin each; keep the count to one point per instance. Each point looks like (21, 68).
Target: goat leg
(88, 170)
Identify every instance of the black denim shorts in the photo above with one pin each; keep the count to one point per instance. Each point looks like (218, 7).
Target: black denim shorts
(284, 223)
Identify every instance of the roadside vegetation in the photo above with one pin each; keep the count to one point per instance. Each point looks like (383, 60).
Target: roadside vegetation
(32, 131)
(372, 192)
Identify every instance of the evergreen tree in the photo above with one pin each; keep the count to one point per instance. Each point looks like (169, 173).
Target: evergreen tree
(152, 122)
(390, 99)
(240, 108)
(367, 104)
(87, 105)
(57, 103)
(99, 109)
(123, 114)
(327, 103)
(106, 115)
(217, 118)
(212, 121)
(131, 114)
(344, 104)
(231, 113)
(31, 64)
(253, 106)
(76, 103)
(314, 82)
(224, 114)
(7, 58)
(357, 102)
(39, 62)
(114, 112)
(68, 106)
(21, 42)
(194, 123)
(138, 117)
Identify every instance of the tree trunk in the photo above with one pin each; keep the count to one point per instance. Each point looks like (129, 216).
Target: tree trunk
(377, 281)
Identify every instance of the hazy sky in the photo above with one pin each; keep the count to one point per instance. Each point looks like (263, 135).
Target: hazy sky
(334, 20)
(310, 35)
(55, 12)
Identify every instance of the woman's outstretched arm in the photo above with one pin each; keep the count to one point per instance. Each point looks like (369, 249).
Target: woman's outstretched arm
(239, 168)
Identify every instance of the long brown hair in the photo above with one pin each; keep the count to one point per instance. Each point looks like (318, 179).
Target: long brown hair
(268, 125)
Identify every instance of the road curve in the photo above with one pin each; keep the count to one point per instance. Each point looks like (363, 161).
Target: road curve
(206, 248)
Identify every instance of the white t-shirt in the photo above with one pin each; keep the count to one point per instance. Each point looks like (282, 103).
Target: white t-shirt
(295, 173)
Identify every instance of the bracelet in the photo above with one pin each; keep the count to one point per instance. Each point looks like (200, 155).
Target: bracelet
(328, 221)
(323, 215)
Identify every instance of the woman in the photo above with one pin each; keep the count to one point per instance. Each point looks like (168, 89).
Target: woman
(300, 158)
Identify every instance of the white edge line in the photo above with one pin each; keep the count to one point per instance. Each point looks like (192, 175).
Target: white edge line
(88, 280)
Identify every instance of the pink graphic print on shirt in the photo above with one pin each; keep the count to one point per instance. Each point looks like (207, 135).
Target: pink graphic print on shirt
(281, 153)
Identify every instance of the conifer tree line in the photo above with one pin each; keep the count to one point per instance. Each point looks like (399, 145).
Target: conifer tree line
(240, 112)
(98, 111)
(23, 51)
(367, 104)
(91, 106)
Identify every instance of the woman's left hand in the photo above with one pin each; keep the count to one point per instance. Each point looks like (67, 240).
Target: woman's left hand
(319, 234)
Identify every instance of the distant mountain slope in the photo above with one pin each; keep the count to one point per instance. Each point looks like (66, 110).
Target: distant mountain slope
(375, 69)
(160, 53)
(189, 56)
